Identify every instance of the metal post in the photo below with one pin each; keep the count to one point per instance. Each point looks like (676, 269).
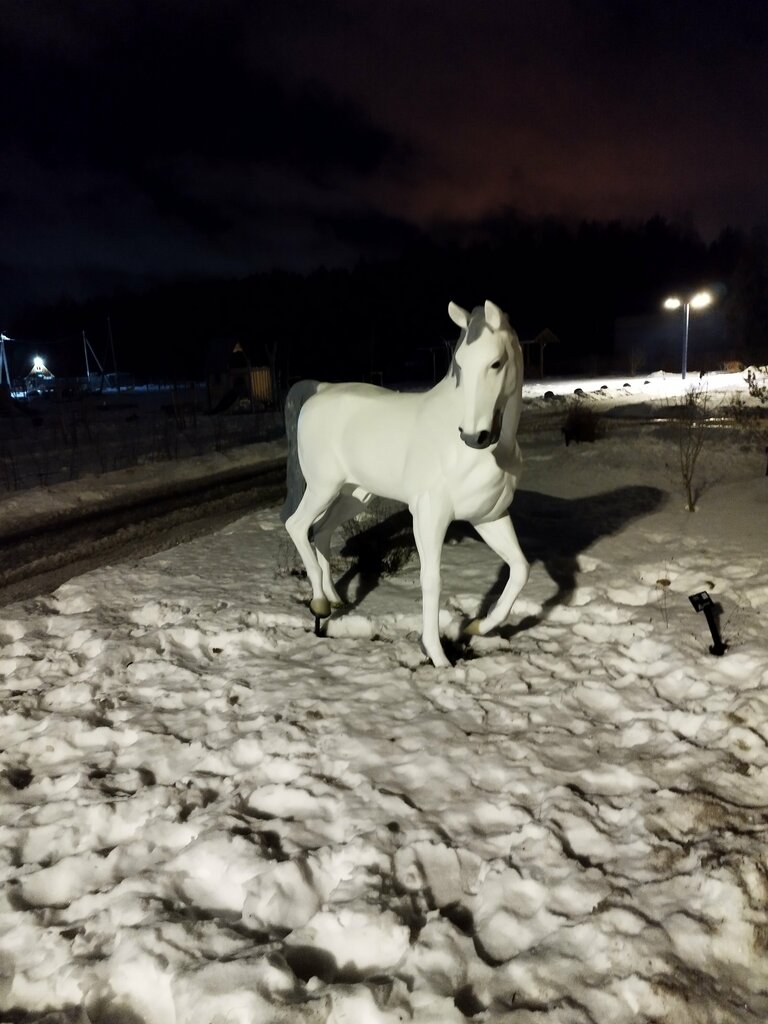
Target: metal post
(4, 362)
(687, 308)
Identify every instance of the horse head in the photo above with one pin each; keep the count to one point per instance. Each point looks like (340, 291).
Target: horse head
(487, 366)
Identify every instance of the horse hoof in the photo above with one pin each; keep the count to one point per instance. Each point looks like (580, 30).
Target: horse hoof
(438, 657)
(320, 607)
(473, 628)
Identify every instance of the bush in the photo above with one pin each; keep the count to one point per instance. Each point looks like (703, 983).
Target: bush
(582, 424)
(380, 539)
(692, 429)
(758, 388)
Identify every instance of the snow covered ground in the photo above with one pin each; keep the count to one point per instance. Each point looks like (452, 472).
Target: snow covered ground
(208, 814)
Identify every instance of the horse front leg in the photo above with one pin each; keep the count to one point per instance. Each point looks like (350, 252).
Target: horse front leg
(430, 521)
(500, 536)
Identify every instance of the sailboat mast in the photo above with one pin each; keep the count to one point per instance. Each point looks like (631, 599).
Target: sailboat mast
(87, 367)
(112, 347)
(4, 362)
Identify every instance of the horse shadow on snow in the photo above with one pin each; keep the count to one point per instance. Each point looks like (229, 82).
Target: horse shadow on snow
(552, 531)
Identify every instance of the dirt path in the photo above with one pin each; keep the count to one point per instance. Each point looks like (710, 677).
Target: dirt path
(36, 560)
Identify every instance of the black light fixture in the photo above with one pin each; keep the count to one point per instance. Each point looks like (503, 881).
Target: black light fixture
(702, 602)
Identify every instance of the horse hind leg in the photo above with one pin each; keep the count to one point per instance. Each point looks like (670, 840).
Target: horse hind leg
(500, 537)
(312, 507)
(344, 508)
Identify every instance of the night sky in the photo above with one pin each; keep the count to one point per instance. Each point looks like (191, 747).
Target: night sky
(145, 140)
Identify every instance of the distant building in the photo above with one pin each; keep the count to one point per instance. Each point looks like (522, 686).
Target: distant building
(644, 344)
(537, 345)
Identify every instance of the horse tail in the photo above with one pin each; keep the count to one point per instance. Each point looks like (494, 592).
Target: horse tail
(294, 478)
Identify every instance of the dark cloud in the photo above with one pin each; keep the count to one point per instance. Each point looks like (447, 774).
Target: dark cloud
(155, 137)
(172, 88)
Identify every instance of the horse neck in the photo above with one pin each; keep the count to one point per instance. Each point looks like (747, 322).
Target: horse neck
(446, 391)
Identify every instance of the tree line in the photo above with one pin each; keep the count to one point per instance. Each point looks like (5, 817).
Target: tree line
(386, 319)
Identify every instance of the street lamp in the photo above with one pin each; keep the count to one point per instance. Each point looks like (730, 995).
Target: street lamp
(697, 301)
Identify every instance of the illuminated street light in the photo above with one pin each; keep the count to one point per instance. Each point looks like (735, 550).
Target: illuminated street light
(698, 301)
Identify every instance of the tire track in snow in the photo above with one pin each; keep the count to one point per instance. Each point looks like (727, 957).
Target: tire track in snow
(39, 558)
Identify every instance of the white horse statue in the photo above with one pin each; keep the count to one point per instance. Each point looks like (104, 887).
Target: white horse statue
(448, 453)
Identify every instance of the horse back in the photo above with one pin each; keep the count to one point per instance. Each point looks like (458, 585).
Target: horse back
(359, 434)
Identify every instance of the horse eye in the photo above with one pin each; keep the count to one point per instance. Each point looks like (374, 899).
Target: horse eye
(496, 365)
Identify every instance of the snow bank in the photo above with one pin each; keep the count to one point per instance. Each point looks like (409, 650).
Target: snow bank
(208, 813)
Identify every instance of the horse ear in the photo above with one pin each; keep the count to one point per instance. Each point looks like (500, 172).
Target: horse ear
(493, 315)
(459, 316)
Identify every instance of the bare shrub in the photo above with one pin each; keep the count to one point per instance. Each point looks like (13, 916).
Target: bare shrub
(636, 360)
(663, 585)
(170, 439)
(757, 386)
(288, 560)
(380, 538)
(9, 470)
(582, 424)
(691, 434)
(738, 410)
(219, 434)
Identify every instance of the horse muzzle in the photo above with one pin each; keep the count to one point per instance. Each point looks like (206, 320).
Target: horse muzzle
(483, 438)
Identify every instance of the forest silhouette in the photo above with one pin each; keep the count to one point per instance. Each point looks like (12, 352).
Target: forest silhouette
(385, 320)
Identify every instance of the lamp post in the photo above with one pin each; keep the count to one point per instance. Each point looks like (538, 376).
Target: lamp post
(697, 301)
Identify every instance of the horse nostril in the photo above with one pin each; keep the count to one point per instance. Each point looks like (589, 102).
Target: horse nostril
(482, 437)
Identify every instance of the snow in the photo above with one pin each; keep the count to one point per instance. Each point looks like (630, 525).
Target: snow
(207, 813)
